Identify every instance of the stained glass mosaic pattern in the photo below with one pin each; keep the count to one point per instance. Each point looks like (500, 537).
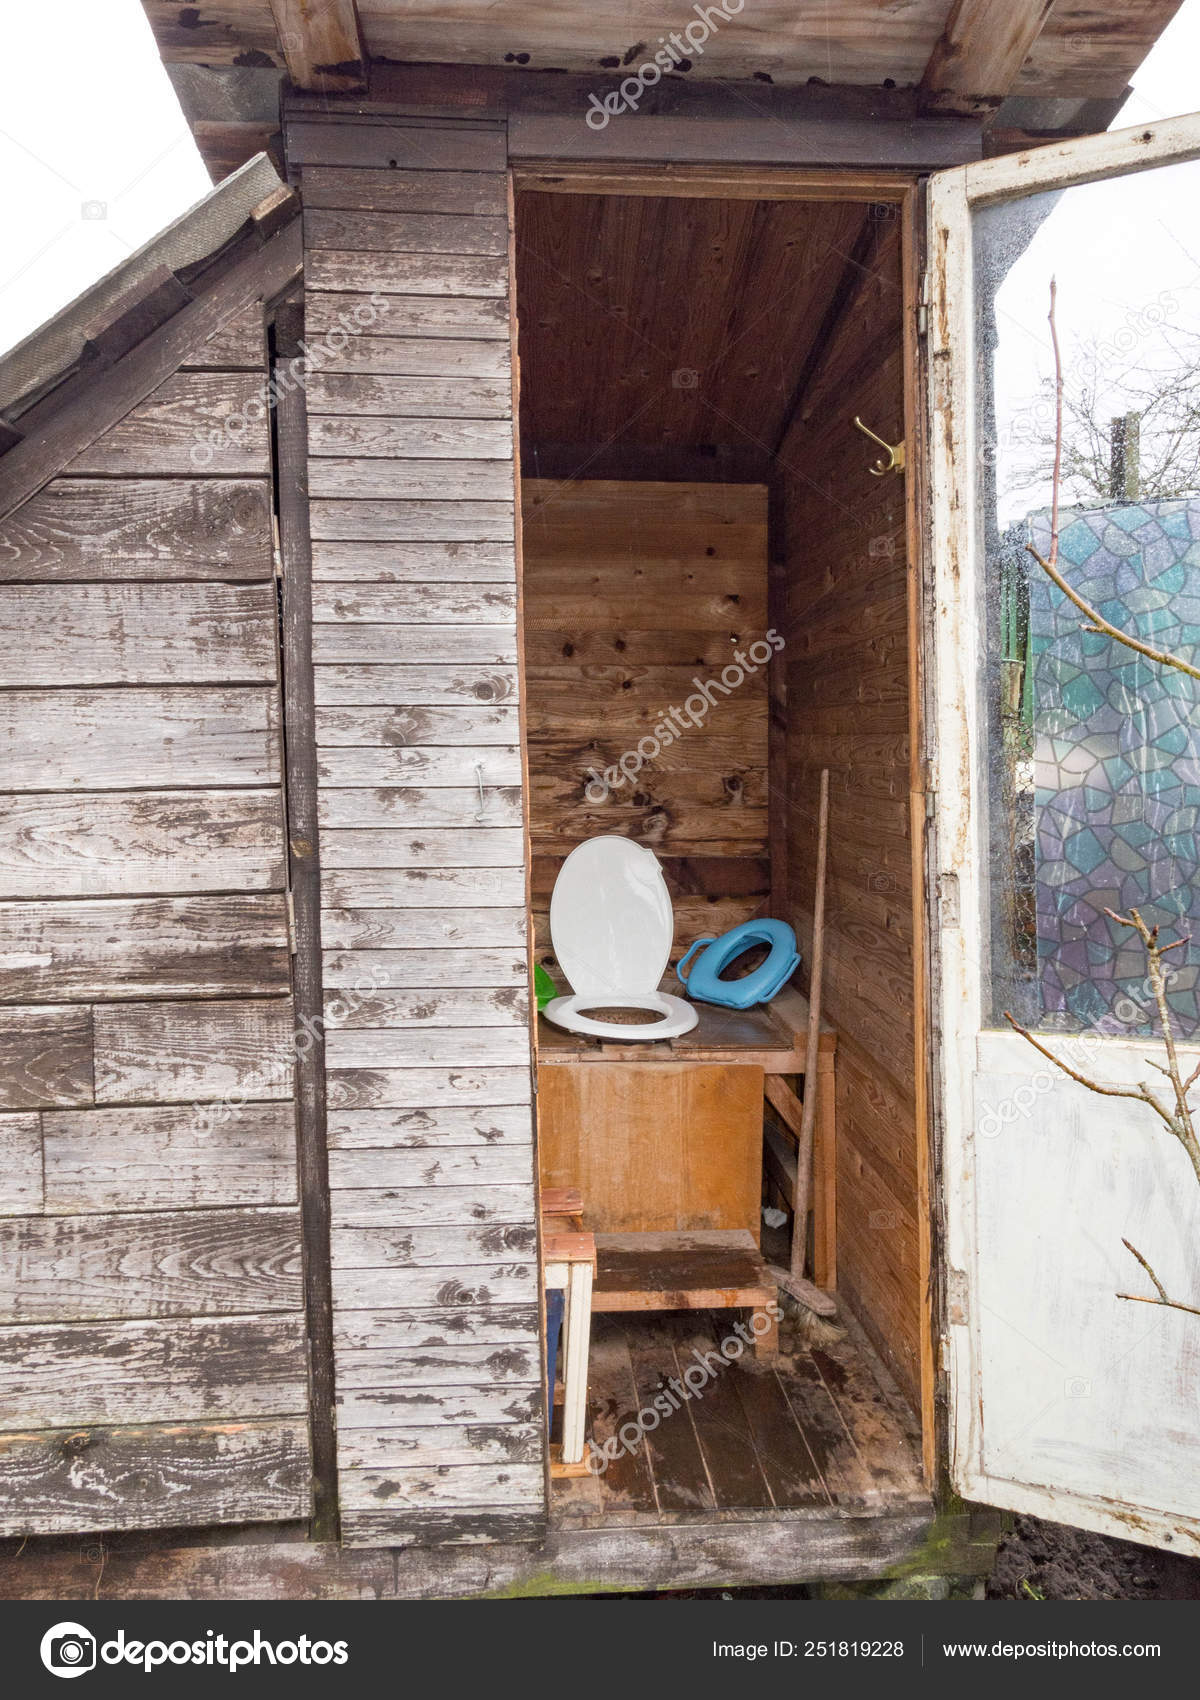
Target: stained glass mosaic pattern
(1117, 758)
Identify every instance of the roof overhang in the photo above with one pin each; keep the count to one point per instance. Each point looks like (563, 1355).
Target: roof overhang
(964, 55)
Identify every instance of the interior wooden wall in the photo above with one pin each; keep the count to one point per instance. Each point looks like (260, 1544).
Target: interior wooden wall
(839, 590)
(631, 592)
(153, 1352)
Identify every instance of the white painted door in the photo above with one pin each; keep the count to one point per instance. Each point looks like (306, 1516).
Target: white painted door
(1067, 779)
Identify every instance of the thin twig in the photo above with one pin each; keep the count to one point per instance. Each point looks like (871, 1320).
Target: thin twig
(1167, 1304)
(1100, 624)
(1141, 1093)
(1058, 423)
(1049, 564)
(1181, 1124)
(1134, 1252)
(1163, 1298)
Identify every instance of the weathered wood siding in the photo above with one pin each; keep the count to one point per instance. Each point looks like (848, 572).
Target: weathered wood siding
(153, 1365)
(636, 597)
(426, 956)
(840, 583)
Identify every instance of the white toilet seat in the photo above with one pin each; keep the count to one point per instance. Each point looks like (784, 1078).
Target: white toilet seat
(612, 927)
(678, 1017)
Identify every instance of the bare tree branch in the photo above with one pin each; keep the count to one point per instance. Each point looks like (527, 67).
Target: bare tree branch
(1049, 564)
(1159, 380)
(1162, 1299)
(1141, 1093)
(1098, 623)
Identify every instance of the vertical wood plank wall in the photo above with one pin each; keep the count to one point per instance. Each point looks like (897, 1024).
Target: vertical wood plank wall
(153, 1361)
(632, 591)
(426, 957)
(843, 578)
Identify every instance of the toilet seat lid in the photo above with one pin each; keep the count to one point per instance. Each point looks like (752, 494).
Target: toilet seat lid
(611, 921)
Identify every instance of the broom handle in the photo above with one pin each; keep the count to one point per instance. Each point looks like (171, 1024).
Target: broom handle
(804, 1153)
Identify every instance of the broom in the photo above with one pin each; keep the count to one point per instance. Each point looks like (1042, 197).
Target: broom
(793, 1280)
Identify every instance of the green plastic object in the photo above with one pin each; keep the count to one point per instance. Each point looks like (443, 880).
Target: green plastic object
(543, 986)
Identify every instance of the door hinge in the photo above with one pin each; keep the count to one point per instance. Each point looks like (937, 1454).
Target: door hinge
(956, 1297)
(276, 548)
(291, 922)
(923, 307)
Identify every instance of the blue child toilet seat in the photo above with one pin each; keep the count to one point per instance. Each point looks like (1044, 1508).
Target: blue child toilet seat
(705, 984)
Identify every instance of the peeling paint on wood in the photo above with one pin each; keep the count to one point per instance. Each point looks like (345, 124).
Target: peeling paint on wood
(179, 1369)
(100, 1160)
(415, 650)
(152, 1263)
(72, 1480)
(390, 1330)
(21, 1188)
(429, 1129)
(160, 436)
(143, 947)
(80, 845)
(140, 528)
(391, 1205)
(429, 1088)
(45, 1057)
(136, 634)
(181, 1052)
(53, 740)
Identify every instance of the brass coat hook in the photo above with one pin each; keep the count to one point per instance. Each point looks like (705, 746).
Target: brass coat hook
(895, 452)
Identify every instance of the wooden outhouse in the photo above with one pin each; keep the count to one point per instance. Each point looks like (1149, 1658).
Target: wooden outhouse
(356, 537)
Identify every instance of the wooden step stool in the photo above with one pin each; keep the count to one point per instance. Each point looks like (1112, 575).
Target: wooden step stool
(701, 1270)
(569, 1264)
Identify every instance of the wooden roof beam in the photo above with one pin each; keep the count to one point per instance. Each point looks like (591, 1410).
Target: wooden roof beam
(322, 43)
(979, 54)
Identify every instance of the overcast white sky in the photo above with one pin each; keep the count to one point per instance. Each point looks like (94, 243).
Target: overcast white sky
(96, 159)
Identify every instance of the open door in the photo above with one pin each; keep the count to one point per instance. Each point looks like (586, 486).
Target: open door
(1067, 776)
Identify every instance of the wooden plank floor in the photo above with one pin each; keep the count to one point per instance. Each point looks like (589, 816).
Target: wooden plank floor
(813, 1435)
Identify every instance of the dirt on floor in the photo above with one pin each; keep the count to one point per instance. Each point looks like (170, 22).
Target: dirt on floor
(1045, 1561)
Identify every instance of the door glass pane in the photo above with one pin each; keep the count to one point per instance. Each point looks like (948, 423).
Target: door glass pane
(1094, 759)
